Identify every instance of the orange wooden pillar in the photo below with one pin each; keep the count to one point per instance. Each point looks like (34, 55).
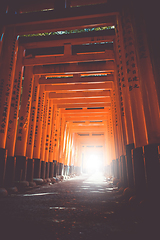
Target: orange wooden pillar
(43, 137)
(51, 145)
(7, 70)
(13, 118)
(64, 149)
(31, 131)
(140, 134)
(38, 132)
(61, 139)
(56, 140)
(150, 103)
(23, 125)
(49, 165)
(124, 101)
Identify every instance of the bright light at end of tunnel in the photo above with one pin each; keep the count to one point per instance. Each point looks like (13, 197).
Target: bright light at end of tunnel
(93, 163)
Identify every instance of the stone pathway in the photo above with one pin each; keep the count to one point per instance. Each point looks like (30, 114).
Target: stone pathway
(84, 207)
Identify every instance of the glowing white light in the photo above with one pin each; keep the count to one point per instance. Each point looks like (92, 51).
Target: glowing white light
(93, 163)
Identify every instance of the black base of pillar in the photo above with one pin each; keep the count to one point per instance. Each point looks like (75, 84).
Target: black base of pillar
(61, 165)
(51, 169)
(124, 171)
(152, 167)
(55, 168)
(30, 170)
(37, 168)
(139, 172)
(47, 170)
(43, 169)
(129, 166)
(21, 168)
(3, 158)
(117, 168)
(10, 171)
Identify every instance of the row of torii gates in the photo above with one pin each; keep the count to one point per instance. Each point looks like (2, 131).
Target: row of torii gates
(61, 95)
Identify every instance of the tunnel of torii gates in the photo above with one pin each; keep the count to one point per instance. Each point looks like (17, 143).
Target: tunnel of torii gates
(86, 92)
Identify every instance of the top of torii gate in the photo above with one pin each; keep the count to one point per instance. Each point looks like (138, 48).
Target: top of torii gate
(70, 46)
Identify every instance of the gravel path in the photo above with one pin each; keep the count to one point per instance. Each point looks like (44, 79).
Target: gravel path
(84, 207)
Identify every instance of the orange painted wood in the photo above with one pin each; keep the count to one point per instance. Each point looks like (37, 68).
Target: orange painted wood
(53, 128)
(46, 60)
(80, 87)
(7, 71)
(76, 79)
(24, 114)
(48, 132)
(97, 67)
(137, 107)
(15, 101)
(62, 24)
(44, 128)
(104, 93)
(39, 122)
(33, 118)
(73, 41)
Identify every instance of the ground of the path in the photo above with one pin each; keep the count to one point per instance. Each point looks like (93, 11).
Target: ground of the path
(85, 207)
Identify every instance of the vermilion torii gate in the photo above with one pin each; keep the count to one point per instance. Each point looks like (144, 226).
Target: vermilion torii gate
(91, 87)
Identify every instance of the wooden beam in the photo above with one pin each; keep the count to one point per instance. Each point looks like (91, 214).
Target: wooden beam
(85, 105)
(85, 111)
(95, 67)
(79, 87)
(85, 118)
(87, 129)
(35, 61)
(75, 79)
(51, 24)
(33, 43)
(105, 93)
(82, 101)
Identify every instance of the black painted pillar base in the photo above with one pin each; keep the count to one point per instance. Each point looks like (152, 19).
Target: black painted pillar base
(152, 167)
(37, 168)
(43, 169)
(10, 171)
(3, 158)
(55, 168)
(120, 168)
(117, 168)
(124, 171)
(129, 166)
(61, 165)
(51, 169)
(47, 170)
(30, 170)
(65, 170)
(21, 168)
(139, 172)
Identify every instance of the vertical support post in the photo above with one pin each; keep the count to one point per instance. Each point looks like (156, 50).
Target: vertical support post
(7, 71)
(38, 132)
(23, 125)
(48, 135)
(31, 132)
(13, 119)
(43, 138)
